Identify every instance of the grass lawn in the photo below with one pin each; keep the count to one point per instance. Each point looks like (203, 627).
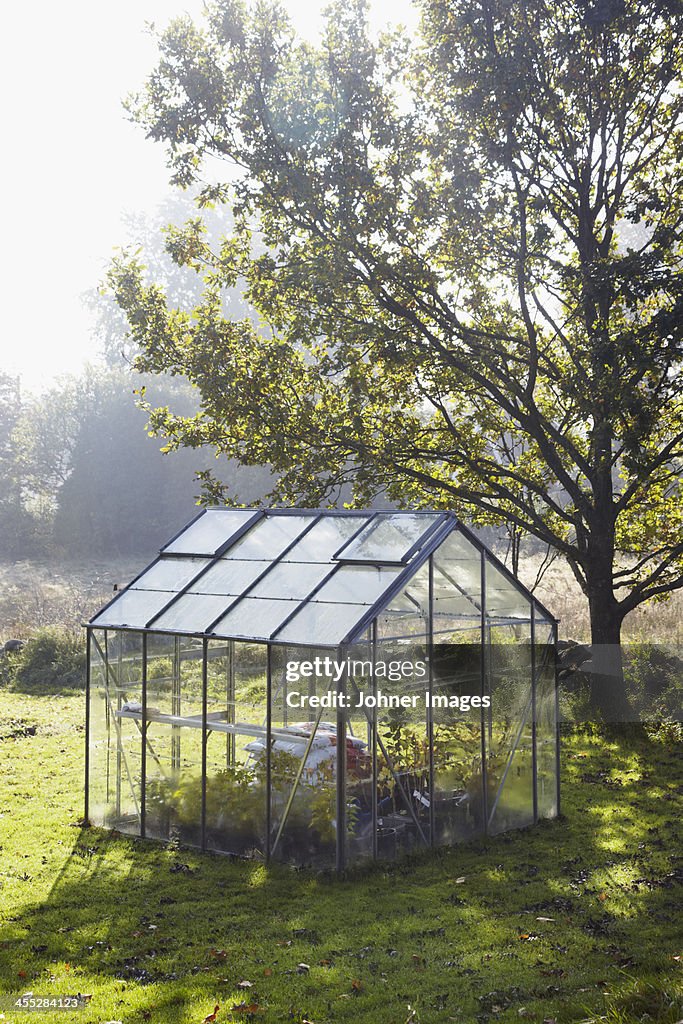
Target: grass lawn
(575, 920)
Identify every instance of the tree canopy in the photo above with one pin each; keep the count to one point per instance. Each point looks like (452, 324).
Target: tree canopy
(465, 251)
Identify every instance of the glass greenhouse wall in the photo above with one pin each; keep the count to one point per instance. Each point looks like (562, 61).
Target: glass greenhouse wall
(321, 688)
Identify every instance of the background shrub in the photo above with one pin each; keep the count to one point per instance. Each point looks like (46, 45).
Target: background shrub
(52, 661)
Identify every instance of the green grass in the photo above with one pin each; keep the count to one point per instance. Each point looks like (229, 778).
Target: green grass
(161, 934)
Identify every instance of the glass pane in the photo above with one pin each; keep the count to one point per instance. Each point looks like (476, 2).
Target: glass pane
(388, 537)
(546, 734)
(235, 747)
(324, 624)
(100, 738)
(116, 739)
(291, 580)
(509, 740)
(456, 723)
(255, 618)
(304, 761)
(416, 592)
(208, 533)
(457, 586)
(325, 538)
(363, 831)
(133, 608)
(193, 613)
(358, 584)
(504, 600)
(162, 692)
(460, 560)
(268, 538)
(407, 614)
(173, 792)
(170, 574)
(228, 576)
(402, 745)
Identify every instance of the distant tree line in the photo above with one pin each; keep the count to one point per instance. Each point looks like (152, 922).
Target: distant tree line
(79, 474)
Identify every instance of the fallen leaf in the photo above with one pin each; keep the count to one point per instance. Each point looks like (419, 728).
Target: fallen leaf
(267, 971)
(328, 963)
(219, 954)
(602, 897)
(210, 1017)
(460, 880)
(545, 918)
(356, 985)
(302, 968)
(246, 1008)
(245, 984)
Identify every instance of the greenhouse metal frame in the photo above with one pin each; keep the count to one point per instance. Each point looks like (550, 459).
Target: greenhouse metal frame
(439, 677)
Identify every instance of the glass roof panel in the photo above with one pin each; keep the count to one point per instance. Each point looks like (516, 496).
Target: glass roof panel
(323, 624)
(357, 584)
(170, 574)
(210, 531)
(326, 537)
(352, 559)
(133, 608)
(291, 580)
(269, 537)
(192, 613)
(254, 617)
(388, 538)
(229, 576)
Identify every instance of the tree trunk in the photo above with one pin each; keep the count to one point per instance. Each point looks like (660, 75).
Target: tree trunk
(608, 690)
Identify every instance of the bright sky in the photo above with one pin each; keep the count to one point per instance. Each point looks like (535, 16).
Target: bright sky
(73, 164)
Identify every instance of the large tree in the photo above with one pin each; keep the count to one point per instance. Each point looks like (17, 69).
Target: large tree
(468, 268)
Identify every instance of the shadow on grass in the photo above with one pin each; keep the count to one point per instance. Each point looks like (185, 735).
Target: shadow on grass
(550, 917)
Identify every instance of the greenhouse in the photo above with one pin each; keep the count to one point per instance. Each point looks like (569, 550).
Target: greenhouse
(321, 687)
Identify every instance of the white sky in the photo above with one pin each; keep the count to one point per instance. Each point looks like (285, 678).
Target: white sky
(73, 164)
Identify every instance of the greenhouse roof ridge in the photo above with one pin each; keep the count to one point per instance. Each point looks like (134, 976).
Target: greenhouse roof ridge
(284, 575)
